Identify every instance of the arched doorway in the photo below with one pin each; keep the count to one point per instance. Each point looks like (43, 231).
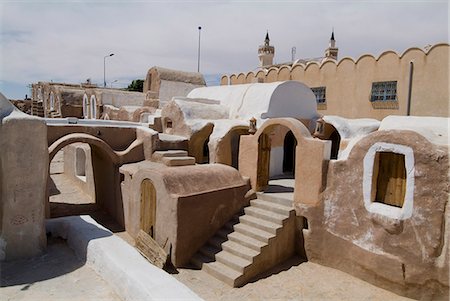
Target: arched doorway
(52, 101)
(148, 207)
(335, 143)
(93, 107)
(205, 152)
(103, 201)
(86, 108)
(289, 145)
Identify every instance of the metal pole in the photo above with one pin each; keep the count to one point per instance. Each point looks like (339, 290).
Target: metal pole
(198, 58)
(104, 71)
(411, 71)
(104, 68)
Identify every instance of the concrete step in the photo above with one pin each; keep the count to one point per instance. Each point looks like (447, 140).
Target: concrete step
(158, 155)
(247, 241)
(248, 230)
(210, 251)
(235, 262)
(217, 241)
(286, 201)
(222, 272)
(273, 207)
(265, 214)
(260, 223)
(198, 260)
(239, 250)
(223, 232)
(178, 161)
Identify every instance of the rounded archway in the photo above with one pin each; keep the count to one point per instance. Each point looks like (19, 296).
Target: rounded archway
(86, 107)
(96, 164)
(93, 107)
(278, 140)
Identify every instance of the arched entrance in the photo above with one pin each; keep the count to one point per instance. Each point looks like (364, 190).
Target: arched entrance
(148, 207)
(105, 204)
(86, 107)
(335, 143)
(93, 107)
(278, 144)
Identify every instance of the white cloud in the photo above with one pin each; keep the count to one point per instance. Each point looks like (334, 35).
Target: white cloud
(44, 40)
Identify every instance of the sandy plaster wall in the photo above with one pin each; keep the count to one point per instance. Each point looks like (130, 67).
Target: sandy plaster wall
(23, 183)
(408, 255)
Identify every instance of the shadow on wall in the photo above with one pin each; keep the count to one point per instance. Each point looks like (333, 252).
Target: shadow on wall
(57, 260)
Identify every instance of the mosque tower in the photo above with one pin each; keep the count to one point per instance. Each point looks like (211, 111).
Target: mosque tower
(266, 53)
(332, 51)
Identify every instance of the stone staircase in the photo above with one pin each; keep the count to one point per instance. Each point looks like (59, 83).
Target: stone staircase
(251, 243)
(55, 114)
(173, 158)
(37, 108)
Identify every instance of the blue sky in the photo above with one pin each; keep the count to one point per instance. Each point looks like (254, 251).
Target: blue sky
(67, 40)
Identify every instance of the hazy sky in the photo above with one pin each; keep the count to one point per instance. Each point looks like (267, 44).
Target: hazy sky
(67, 40)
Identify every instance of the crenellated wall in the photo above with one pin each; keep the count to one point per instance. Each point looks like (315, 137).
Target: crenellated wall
(348, 82)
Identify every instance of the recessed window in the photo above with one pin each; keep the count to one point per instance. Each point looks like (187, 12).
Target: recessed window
(169, 124)
(320, 92)
(389, 179)
(384, 91)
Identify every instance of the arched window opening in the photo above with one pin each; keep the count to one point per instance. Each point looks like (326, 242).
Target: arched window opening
(93, 107)
(80, 164)
(205, 151)
(52, 101)
(86, 108)
(335, 143)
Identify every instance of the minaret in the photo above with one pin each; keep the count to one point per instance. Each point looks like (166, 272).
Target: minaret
(332, 51)
(266, 53)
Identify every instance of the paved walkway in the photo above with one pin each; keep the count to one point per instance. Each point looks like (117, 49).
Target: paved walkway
(293, 280)
(55, 275)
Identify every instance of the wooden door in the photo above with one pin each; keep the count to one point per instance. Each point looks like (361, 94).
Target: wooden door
(262, 180)
(148, 207)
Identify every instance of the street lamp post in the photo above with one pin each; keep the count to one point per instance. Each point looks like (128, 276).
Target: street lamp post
(114, 81)
(104, 68)
(198, 58)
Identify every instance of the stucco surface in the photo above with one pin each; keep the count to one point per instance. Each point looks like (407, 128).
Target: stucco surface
(349, 81)
(434, 129)
(279, 99)
(192, 203)
(23, 182)
(119, 264)
(409, 256)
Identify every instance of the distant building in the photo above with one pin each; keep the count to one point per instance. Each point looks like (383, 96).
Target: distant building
(412, 83)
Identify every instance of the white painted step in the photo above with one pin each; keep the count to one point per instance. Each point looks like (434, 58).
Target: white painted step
(265, 214)
(261, 235)
(286, 201)
(239, 250)
(209, 251)
(222, 272)
(178, 161)
(158, 155)
(260, 223)
(273, 207)
(247, 241)
(235, 262)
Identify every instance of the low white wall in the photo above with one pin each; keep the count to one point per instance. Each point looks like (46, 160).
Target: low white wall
(119, 264)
